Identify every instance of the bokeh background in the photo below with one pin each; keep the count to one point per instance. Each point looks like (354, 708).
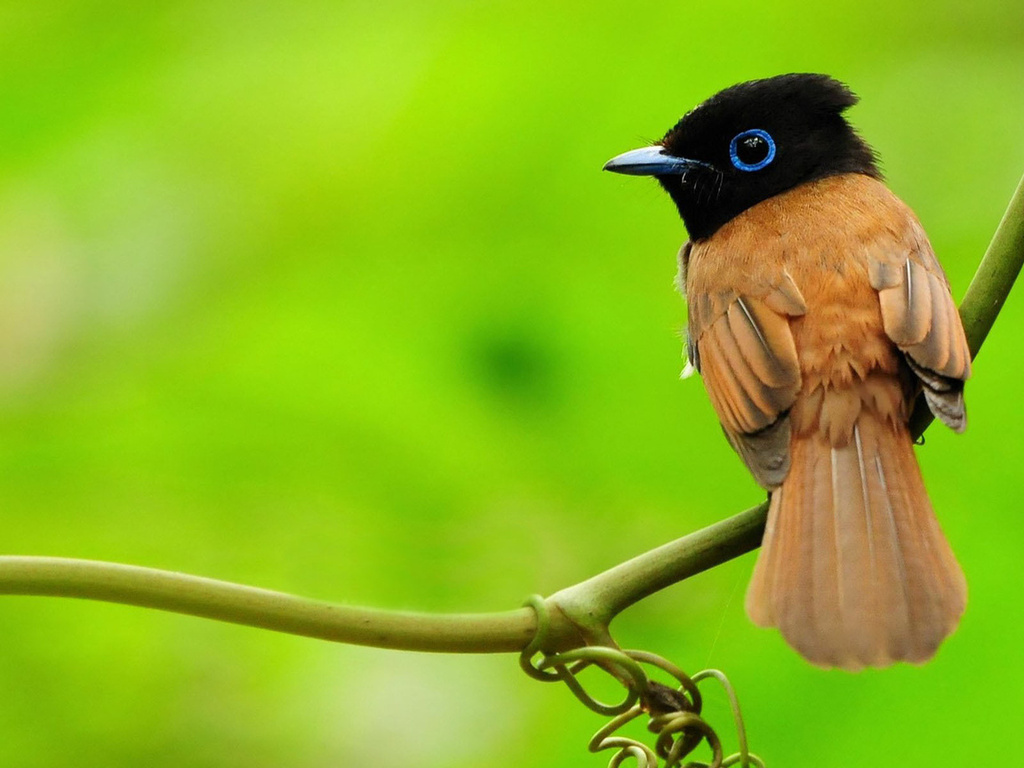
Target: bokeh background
(333, 298)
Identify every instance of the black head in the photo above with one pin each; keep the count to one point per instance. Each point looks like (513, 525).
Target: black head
(750, 142)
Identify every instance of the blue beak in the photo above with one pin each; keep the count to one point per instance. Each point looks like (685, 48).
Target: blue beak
(651, 161)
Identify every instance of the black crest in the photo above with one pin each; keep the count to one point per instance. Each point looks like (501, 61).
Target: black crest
(758, 139)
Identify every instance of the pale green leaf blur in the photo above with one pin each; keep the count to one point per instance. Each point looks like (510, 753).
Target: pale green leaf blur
(333, 298)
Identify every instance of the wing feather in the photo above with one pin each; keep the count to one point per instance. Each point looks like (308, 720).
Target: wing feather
(730, 334)
(935, 349)
(921, 318)
(749, 363)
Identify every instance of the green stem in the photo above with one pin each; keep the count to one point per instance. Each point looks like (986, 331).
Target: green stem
(507, 631)
(988, 289)
(578, 614)
(996, 273)
(593, 603)
(181, 593)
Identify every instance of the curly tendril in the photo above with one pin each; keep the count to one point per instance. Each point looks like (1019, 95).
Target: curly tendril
(675, 713)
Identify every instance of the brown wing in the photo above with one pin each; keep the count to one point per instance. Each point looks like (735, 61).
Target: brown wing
(919, 315)
(743, 347)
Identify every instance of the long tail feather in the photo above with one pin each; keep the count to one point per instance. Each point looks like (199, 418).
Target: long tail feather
(854, 569)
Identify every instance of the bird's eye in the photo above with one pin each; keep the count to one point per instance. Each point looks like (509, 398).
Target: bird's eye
(752, 150)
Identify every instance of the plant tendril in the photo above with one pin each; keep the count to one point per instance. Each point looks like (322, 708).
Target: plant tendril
(675, 713)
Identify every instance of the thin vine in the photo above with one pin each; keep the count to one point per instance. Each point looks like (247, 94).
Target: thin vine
(675, 713)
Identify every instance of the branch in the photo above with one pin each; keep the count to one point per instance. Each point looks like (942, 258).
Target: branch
(996, 273)
(579, 614)
(988, 290)
(239, 604)
(592, 604)
(614, 589)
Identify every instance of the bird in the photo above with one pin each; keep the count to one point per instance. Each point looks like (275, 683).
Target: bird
(817, 314)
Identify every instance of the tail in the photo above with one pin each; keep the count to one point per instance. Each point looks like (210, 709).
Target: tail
(854, 569)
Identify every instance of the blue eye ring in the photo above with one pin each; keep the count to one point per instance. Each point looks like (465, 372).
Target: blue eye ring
(734, 150)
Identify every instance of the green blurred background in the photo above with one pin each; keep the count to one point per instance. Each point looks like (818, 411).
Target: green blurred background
(333, 298)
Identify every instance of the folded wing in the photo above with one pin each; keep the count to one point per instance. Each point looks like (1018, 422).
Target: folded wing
(744, 349)
(919, 315)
